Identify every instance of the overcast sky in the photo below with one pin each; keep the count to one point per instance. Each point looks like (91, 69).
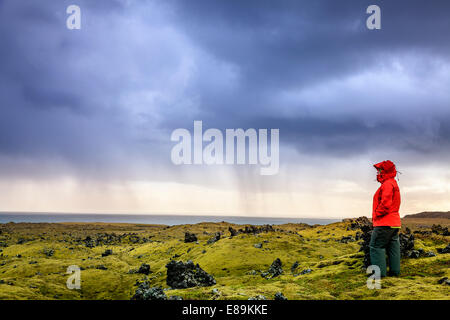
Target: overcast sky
(86, 115)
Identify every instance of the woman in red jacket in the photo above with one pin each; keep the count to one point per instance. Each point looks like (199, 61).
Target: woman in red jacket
(386, 220)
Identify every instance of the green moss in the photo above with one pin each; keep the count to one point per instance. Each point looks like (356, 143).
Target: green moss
(234, 262)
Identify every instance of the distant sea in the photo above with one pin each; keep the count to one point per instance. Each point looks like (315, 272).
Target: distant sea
(151, 219)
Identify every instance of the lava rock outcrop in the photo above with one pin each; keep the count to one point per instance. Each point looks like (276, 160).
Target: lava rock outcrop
(190, 237)
(444, 250)
(215, 238)
(440, 230)
(274, 270)
(186, 275)
(251, 230)
(145, 292)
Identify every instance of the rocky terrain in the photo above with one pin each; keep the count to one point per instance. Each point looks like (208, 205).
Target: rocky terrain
(217, 261)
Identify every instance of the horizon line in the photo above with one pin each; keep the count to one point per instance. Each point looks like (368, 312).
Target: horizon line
(168, 214)
(186, 214)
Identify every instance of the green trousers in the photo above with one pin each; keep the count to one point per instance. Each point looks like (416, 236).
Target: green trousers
(385, 240)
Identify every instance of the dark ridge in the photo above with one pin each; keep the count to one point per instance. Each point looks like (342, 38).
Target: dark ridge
(430, 214)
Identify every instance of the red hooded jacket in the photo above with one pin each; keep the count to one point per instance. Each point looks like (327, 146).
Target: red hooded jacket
(386, 201)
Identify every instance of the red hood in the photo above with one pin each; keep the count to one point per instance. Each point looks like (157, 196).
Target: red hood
(388, 170)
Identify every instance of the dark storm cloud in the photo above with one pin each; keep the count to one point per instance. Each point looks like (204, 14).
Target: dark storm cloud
(60, 88)
(40, 91)
(111, 93)
(292, 45)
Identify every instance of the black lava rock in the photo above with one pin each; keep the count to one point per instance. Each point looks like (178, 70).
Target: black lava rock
(407, 244)
(365, 225)
(190, 237)
(233, 232)
(365, 245)
(144, 269)
(413, 254)
(358, 223)
(107, 252)
(444, 280)
(251, 230)
(279, 296)
(145, 292)
(438, 229)
(215, 238)
(444, 250)
(49, 252)
(275, 269)
(294, 266)
(306, 271)
(347, 239)
(89, 242)
(186, 275)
